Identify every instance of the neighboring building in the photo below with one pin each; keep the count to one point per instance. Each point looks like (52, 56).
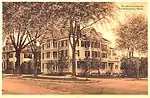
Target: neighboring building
(92, 46)
(9, 59)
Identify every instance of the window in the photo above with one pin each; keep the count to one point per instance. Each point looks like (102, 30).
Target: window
(27, 55)
(87, 43)
(48, 40)
(104, 47)
(43, 47)
(59, 45)
(62, 43)
(104, 55)
(92, 44)
(94, 54)
(87, 53)
(3, 56)
(64, 53)
(95, 44)
(54, 44)
(98, 45)
(98, 54)
(103, 65)
(60, 53)
(3, 48)
(54, 54)
(43, 66)
(113, 53)
(11, 55)
(82, 43)
(116, 66)
(78, 53)
(48, 45)
(65, 42)
(77, 43)
(42, 55)
(111, 66)
(48, 54)
(53, 67)
(11, 47)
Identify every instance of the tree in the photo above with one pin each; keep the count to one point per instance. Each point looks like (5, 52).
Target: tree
(62, 64)
(15, 24)
(132, 35)
(131, 66)
(144, 67)
(43, 25)
(78, 16)
(27, 21)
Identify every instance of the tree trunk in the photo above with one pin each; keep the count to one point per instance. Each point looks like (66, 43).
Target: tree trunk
(7, 61)
(73, 63)
(17, 66)
(98, 71)
(35, 64)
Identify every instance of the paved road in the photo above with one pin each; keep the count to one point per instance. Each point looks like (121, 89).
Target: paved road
(18, 86)
(13, 85)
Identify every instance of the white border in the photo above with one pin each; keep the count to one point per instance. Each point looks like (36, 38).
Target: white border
(67, 96)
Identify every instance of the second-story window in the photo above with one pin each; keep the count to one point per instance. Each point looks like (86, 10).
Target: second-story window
(48, 54)
(54, 44)
(87, 53)
(94, 54)
(104, 55)
(98, 54)
(54, 54)
(98, 45)
(3, 56)
(43, 47)
(87, 43)
(3, 48)
(78, 52)
(82, 43)
(104, 47)
(64, 53)
(42, 55)
(27, 55)
(48, 45)
(65, 42)
(92, 44)
(59, 44)
(60, 54)
(11, 55)
(11, 47)
(95, 44)
(62, 43)
(77, 43)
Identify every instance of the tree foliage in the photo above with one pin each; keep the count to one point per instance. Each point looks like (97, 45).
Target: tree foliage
(78, 16)
(132, 35)
(30, 20)
(134, 66)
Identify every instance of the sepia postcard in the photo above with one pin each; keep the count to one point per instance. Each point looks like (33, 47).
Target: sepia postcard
(74, 48)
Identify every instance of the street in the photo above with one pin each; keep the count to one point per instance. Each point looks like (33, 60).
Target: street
(13, 85)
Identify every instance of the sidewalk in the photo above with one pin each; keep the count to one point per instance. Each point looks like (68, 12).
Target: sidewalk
(67, 77)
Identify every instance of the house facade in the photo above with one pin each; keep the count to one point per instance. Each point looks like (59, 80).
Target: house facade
(9, 59)
(55, 51)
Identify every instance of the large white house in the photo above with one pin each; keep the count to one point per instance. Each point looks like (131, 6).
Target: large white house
(93, 46)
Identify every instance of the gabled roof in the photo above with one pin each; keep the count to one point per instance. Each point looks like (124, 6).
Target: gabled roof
(91, 33)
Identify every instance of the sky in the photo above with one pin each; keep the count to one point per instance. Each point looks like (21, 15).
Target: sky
(125, 9)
